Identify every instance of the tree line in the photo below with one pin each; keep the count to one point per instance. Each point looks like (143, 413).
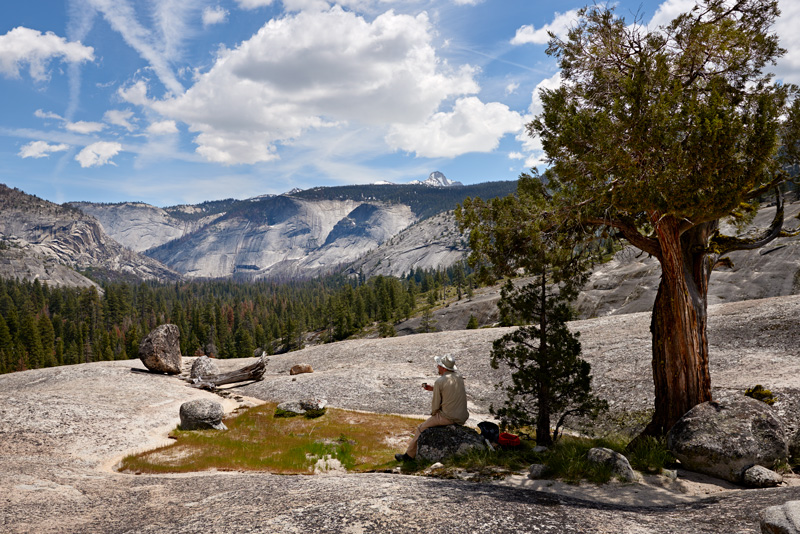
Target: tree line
(42, 326)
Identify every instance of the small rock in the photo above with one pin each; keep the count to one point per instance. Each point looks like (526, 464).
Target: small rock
(202, 414)
(781, 519)
(618, 462)
(540, 449)
(537, 471)
(288, 408)
(761, 477)
(301, 368)
(203, 366)
(160, 351)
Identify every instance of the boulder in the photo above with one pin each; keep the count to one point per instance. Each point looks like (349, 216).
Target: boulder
(160, 351)
(202, 414)
(760, 477)
(618, 463)
(781, 519)
(724, 438)
(440, 442)
(203, 366)
(301, 368)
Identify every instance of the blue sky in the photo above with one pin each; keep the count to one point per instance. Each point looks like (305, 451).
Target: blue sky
(181, 101)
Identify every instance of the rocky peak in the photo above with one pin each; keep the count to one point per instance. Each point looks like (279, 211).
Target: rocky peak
(436, 179)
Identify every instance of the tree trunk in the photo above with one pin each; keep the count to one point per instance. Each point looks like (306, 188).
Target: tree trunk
(678, 325)
(543, 437)
(253, 372)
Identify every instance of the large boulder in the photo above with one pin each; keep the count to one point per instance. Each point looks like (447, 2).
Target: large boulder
(440, 442)
(781, 519)
(202, 414)
(160, 351)
(203, 366)
(725, 438)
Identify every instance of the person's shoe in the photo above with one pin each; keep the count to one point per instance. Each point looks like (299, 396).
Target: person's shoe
(403, 458)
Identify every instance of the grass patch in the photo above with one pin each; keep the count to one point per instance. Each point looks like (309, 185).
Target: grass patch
(257, 440)
(650, 455)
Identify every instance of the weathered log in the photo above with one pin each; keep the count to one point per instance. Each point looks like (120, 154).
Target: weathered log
(254, 372)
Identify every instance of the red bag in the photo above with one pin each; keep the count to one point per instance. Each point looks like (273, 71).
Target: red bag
(509, 440)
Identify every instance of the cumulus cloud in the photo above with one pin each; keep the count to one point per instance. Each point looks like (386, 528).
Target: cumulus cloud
(23, 46)
(162, 128)
(40, 149)
(98, 154)
(472, 126)
(85, 127)
(311, 70)
(528, 34)
(511, 88)
(120, 117)
(214, 15)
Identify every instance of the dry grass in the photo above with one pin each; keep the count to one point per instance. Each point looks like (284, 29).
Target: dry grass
(258, 441)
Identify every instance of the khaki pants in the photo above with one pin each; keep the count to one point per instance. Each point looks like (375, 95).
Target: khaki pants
(434, 420)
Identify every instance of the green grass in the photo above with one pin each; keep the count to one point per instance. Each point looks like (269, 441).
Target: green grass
(257, 440)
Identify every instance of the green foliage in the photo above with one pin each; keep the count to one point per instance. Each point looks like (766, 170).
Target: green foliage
(758, 392)
(548, 377)
(472, 324)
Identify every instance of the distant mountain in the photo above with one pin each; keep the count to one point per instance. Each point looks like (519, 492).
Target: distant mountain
(437, 179)
(45, 241)
(294, 235)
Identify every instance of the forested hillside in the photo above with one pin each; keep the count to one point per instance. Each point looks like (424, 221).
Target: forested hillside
(42, 326)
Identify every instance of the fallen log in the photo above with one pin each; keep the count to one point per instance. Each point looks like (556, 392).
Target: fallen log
(254, 372)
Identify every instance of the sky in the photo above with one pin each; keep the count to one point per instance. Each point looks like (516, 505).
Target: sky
(181, 101)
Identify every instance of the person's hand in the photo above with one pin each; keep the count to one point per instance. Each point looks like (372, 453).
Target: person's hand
(427, 387)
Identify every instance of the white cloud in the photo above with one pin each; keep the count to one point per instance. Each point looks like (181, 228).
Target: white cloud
(47, 115)
(119, 117)
(668, 11)
(472, 126)
(516, 155)
(214, 15)
(25, 46)
(554, 82)
(40, 149)
(528, 34)
(98, 154)
(162, 128)
(512, 88)
(308, 71)
(85, 127)
(253, 4)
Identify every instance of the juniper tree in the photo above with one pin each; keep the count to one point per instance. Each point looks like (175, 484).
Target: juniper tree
(658, 134)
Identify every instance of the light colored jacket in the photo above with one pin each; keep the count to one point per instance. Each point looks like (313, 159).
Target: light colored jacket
(450, 397)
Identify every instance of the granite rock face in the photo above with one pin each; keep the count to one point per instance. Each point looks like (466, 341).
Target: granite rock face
(160, 351)
(202, 414)
(42, 233)
(724, 438)
(440, 442)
